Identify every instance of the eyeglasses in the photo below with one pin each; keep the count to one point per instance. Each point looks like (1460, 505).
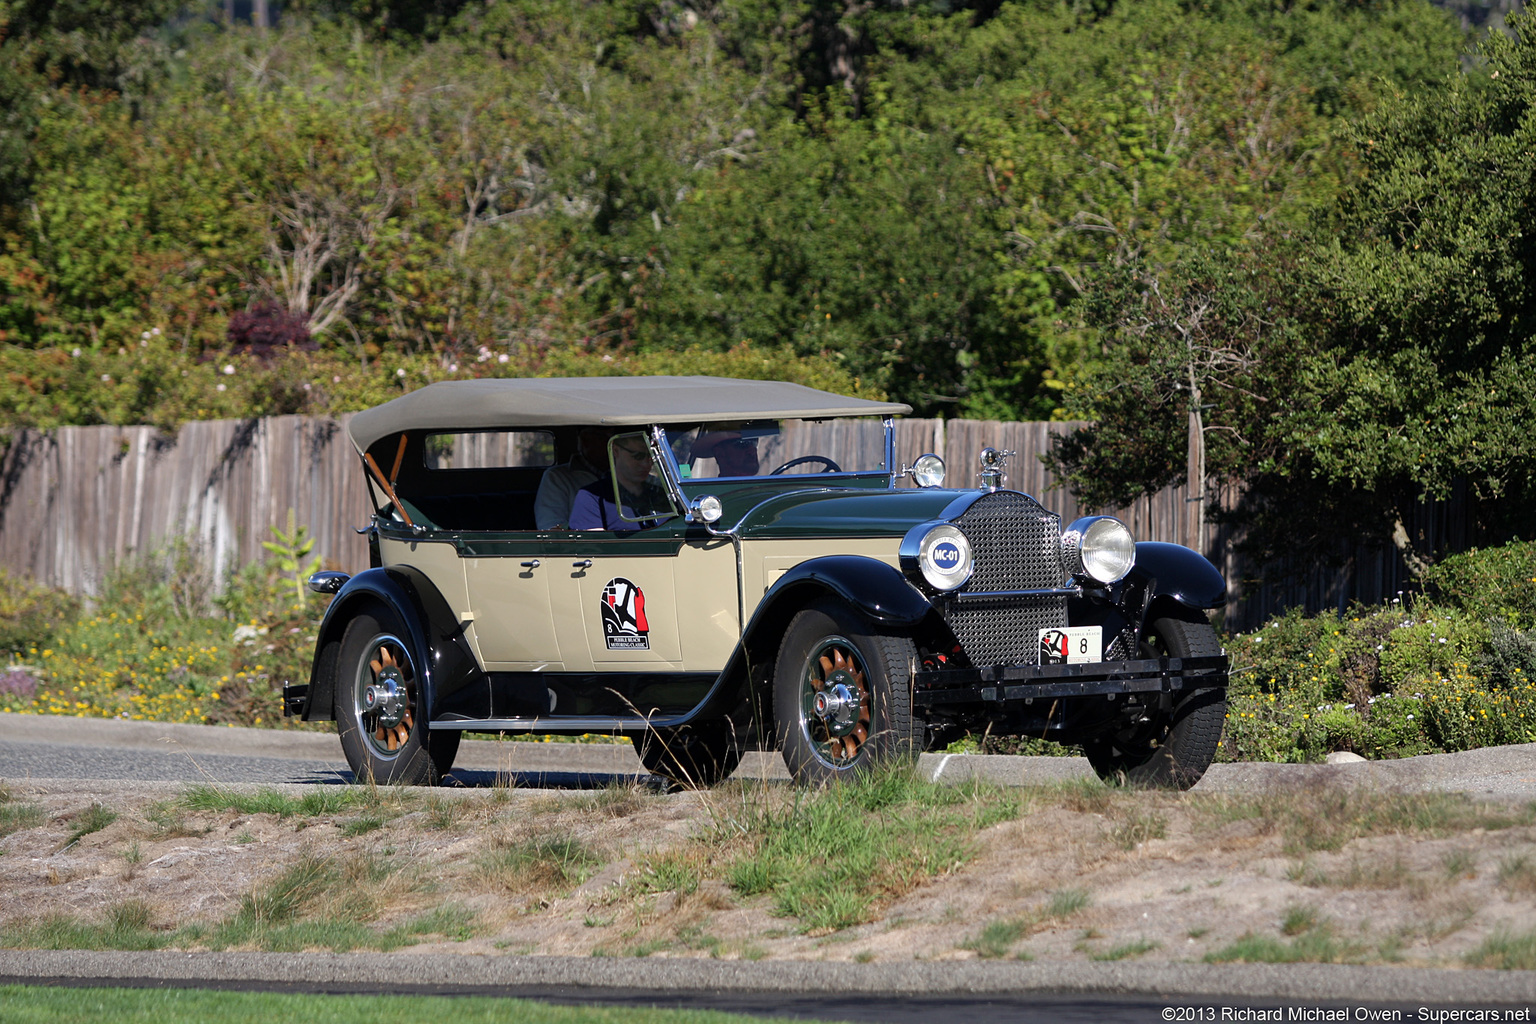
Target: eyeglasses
(634, 453)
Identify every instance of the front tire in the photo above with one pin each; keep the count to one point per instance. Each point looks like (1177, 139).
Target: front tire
(379, 706)
(692, 756)
(842, 695)
(1170, 749)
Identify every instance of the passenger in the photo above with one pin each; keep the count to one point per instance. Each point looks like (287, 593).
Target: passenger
(557, 489)
(734, 455)
(595, 509)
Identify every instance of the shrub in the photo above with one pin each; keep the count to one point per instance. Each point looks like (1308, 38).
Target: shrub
(1489, 583)
(31, 613)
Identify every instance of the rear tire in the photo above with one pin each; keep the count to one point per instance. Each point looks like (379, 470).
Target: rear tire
(387, 742)
(692, 756)
(842, 695)
(1170, 749)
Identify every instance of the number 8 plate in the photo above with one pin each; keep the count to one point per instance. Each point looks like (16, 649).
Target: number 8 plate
(1073, 645)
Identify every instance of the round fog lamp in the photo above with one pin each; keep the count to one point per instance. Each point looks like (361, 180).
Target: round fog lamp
(945, 557)
(1099, 548)
(928, 471)
(708, 509)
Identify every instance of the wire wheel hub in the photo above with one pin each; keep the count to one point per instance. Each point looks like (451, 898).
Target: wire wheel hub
(836, 701)
(385, 695)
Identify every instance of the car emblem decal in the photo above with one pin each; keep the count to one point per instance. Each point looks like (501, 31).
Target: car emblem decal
(624, 624)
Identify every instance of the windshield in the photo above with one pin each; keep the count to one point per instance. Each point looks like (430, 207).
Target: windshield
(756, 448)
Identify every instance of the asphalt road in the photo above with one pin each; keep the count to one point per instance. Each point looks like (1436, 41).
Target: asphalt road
(53, 753)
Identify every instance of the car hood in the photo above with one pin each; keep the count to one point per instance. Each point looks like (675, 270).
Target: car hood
(834, 512)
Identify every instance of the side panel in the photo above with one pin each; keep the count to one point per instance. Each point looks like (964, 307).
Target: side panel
(513, 627)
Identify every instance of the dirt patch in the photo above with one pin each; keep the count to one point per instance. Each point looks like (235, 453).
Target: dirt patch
(1080, 873)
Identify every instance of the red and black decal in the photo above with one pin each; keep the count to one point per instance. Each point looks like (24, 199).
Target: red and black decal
(624, 625)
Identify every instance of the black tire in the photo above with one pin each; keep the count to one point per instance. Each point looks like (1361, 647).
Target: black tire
(390, 743)
(1169, 750)
(692, 756)
(864, 678)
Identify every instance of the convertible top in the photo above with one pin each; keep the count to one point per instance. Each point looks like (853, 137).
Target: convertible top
(490, 403)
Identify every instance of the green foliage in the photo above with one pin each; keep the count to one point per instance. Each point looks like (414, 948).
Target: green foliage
(831, 858)
(1390, 681)
(907, 197)
(31, 614)
(1493, 583)
(289, 548)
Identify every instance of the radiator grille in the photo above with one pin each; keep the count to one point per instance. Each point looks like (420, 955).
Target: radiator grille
(1016, 544)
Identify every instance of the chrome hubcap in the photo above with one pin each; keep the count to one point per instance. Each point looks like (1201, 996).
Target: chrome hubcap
(384, 693)
(835, 702)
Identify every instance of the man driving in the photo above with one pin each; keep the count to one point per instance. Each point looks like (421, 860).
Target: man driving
(595, 508)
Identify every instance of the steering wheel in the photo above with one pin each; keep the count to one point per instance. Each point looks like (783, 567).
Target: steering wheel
(832, 467)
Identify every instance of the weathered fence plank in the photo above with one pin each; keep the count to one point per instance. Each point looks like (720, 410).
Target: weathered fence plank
(76, 501)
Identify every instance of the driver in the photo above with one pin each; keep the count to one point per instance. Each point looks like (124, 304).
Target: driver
(734, 455)
(594, 508)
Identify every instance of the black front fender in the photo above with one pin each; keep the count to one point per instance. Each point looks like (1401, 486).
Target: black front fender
(873, 588)
(1183, 574)
(433, 631)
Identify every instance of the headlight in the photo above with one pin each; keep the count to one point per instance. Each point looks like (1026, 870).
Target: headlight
(944, 556)
(707, 509)
(928, 471)
(1099, 548)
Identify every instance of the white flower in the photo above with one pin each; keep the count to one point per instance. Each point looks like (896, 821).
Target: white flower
(335, 378)
(221, 387)
(400, 372)
(229, 369)
(145, 335)
(306, 385)
(106, 376)
(76, 353)
(453, 367)
(502, 358)
(154, 330)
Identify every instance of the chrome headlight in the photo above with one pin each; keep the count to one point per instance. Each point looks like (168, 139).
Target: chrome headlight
(1099, 548)
(942, 554)
(707, 509)
(928, 471)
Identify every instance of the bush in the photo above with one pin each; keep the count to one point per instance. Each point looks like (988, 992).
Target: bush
(1450, 673)
(1489, 583)
(31, 613)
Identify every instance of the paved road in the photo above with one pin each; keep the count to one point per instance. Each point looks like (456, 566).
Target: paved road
(54, 753)
(43, 747)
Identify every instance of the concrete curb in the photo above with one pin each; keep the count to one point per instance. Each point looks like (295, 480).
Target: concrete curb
(1311, 983)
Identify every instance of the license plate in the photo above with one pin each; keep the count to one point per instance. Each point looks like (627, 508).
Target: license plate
(1073, 645)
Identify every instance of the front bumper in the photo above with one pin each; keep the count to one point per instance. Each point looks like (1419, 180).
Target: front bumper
(1000, 684)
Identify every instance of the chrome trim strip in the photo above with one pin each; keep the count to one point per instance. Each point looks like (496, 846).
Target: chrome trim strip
(571, 723)
(969, 597)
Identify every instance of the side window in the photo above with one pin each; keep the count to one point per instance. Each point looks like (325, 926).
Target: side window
(490, 449)
(638, 488)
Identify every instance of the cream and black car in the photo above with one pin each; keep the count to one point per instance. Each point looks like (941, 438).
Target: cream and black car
(740, 565)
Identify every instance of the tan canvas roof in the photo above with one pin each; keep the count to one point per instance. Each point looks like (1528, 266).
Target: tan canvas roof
(602, 401)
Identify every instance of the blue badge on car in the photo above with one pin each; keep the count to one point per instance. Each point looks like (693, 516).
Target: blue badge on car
(946, 555)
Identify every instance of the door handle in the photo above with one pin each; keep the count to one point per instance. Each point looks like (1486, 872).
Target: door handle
(585, 563)
(534, 564)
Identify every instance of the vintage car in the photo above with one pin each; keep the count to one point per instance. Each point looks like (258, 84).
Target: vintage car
(751, 569)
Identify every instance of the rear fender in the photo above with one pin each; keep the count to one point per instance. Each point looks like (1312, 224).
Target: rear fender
(433, 631)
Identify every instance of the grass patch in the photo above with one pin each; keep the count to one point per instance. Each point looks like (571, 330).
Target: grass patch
(127, 926)
(678, 871)
(1138, 827)
(1313, 941)
(1361, 874)
(93, 819)
(28, 1004)
(1516, 873)
(998, 937)
(16, 816)
(548, 862)
(830, 858)
(316, 802)
(1126, 950)
(1327, 817)
(1506, 952)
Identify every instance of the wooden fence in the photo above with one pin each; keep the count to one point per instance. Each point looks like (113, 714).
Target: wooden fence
(77, 500)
